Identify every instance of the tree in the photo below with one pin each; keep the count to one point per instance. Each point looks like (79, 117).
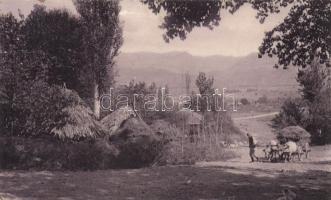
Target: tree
(102, 39)
(244, 101)
(313, 110)
(292, 113)
(304, 34)
(319, 119)
(205, 86)
(262, 100)
(55, 33)
(312, 80)
(315, 91)
(33, 106)
(187, 79)
(18, 67)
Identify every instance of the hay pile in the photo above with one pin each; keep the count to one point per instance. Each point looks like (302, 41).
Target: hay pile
(131, 130)
(79, 124)
(137, 143)
(113, 121)
(78, 121)
(294, 133)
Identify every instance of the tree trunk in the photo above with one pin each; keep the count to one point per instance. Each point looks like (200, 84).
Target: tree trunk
(96, 100)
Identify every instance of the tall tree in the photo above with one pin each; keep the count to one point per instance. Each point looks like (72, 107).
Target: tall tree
(56, 33)
(187, 82)
(23, 73)
(205, 86)
(304, 34)
(313, 80)
(102, 39)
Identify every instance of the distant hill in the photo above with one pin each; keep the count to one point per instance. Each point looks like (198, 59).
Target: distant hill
(230, 72)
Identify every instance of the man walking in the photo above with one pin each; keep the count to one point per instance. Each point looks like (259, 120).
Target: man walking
(252, 145)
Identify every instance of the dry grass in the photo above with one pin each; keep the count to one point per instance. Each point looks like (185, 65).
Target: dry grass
(79, 123)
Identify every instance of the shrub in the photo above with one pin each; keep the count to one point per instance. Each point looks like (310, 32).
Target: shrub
(244, 101)
(263, 100)
(291, 114)
(50, 154)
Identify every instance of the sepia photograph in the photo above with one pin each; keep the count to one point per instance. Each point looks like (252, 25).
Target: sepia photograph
(165, 100)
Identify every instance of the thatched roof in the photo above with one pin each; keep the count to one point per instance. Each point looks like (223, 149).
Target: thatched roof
(113, 121)
(295, 133)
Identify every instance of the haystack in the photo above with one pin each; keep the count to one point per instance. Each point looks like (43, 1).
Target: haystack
(113, 121)
(131, 130)
(294, 133)
(79, 122)
(138, 145)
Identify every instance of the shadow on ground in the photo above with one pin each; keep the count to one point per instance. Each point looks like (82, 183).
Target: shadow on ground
(160, 183)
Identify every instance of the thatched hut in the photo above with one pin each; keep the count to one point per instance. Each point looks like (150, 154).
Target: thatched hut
(191, 123)
(294, 133)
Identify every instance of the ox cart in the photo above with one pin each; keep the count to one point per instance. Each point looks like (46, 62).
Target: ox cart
(293, 142)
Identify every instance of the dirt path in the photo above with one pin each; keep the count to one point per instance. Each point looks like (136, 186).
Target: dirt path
(272, 114)
(257, 125)
(319, 159)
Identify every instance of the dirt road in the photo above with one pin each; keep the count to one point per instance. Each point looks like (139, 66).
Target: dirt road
(272, 114)
(257, 124)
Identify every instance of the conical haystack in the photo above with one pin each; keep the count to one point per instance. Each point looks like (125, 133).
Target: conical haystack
(113, 121)
(79, 122)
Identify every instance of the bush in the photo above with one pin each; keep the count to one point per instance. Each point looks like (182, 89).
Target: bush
(262, 100)
(244, 101)
(291, 114)
(49, 154)
(38, 108)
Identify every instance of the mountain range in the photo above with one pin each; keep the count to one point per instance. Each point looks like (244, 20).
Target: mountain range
(230, 72)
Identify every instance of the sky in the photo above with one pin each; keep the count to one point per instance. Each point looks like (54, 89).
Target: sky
(239, 34)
